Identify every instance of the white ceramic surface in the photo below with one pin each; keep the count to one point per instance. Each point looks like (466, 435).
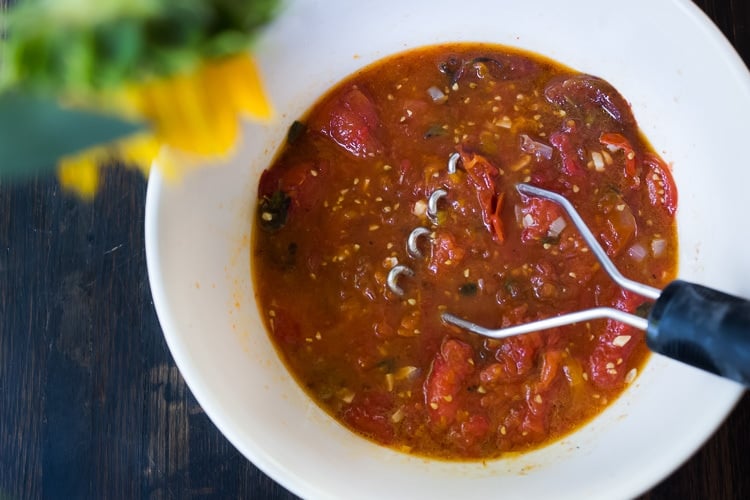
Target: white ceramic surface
(690, 93)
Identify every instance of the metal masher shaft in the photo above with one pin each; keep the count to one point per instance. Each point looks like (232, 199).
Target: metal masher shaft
(553, 322)
(591, 241)
(577, 316)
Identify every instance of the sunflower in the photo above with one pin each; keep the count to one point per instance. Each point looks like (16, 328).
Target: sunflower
(180, 69)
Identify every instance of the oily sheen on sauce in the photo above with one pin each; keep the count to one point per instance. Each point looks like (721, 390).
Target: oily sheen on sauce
(352, 181)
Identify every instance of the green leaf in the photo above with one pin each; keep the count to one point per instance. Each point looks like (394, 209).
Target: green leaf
(273, 211)
(468, 289)
(79, 47)
(36, 132)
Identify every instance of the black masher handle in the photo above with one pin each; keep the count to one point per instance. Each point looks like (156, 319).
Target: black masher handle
(704, 328)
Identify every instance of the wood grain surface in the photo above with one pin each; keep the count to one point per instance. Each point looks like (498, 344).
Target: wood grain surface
(91, 402)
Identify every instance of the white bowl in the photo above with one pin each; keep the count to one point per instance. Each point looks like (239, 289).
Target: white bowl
(689, 91)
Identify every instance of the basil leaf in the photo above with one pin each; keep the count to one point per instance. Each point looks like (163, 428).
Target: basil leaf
(35, 132)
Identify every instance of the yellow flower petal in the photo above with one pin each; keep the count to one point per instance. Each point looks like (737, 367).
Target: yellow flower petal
(138, 150)
(80, 173)
(199, 112)
(244, 83)
(165, 112)
(223, 117)
(173, 163)
(193, 116)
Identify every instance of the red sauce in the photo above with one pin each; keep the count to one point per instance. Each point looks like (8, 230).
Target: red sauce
(338, 203)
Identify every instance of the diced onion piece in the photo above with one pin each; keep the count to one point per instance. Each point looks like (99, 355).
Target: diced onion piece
(397, 416)
(436, 94)
(658, 246)
(420, 208)
(389, 381)
(522, 162)
(598, 160)
(621, 340)
(504, 122)
(345, 394)
(573, 372)
(405, 372)
(536, 148)
(637, 252)
(556, 227)
(528, 221)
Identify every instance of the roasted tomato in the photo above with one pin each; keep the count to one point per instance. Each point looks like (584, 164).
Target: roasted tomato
(537, 216)
(351, 121)
(586, 95)
(662, 190)
(615, 345)
(482, 174)
(370, 413)
(451, 368)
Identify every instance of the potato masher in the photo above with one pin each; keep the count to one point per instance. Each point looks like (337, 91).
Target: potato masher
(688, 322)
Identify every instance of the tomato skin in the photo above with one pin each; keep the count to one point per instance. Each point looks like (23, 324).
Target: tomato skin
(482, 174)
(296, 182)
(585, 93)
(664, 182)
(351, 121)
(542, 213)
(551, 363)
(571, 162)
(451, 368)
(268, 183)
(471, 432)
(512, 424)
(285, 329)
(516, 357)
(303, 187)
(618, 141)
(616, 223)
(369, 413)
(497, 222)
(607, 359)
(445, 252)
(535, 421)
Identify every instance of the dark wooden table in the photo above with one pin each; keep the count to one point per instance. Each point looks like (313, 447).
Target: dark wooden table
(91, 403)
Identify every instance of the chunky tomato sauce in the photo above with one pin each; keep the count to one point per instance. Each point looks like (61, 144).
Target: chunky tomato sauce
(339, 202)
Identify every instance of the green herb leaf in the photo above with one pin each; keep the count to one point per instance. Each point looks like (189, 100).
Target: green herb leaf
(435, 131)
(36, 132)
(512, 287)
(81, 47)
(468, 289)
(295, 131)
(273, 211)
(386, 365)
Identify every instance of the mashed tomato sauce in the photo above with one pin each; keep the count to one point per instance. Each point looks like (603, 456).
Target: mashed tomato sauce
(339, 202)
